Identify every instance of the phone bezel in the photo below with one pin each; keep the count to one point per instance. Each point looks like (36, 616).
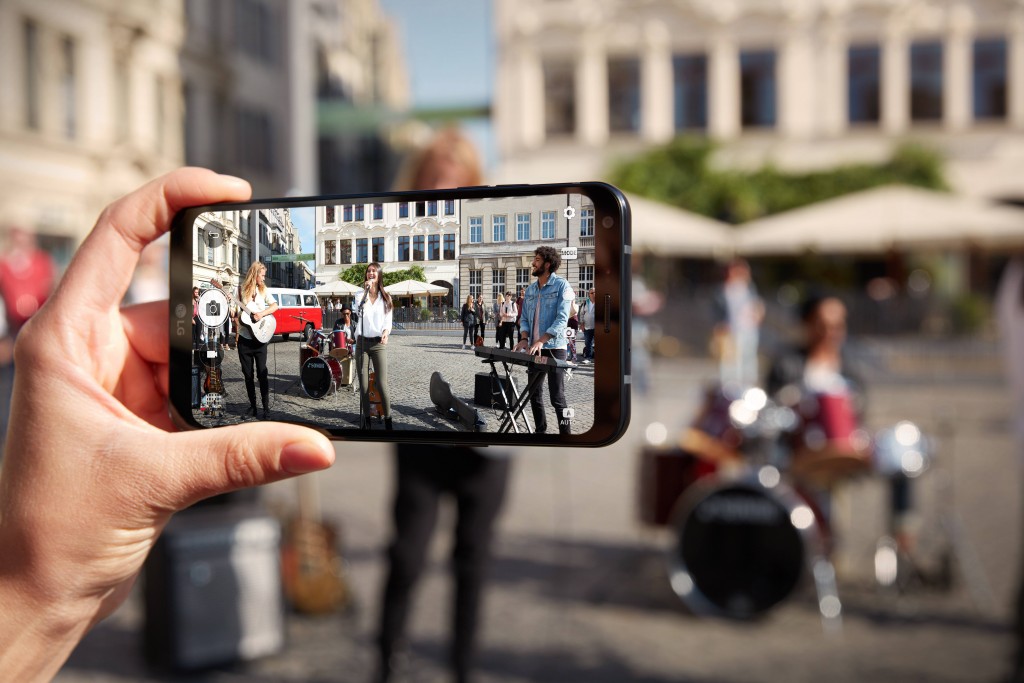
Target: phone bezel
(612, 253)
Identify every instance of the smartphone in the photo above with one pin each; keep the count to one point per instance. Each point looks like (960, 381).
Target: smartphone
(471, 316)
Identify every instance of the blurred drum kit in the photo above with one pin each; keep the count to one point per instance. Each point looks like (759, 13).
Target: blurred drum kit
(745, 492)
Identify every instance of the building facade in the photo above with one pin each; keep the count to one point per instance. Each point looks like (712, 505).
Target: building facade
(498, 238)
(397, 235)
(801, 84)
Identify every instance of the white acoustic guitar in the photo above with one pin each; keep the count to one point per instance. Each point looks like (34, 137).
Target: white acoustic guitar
(263, 329)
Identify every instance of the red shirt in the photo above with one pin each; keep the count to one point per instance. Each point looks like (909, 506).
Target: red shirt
(25, 285)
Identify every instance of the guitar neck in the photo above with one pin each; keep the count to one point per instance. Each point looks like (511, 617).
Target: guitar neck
(309, 499)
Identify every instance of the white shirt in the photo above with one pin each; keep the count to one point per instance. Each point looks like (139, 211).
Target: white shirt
(508, 311)
(588, 314)
(373, 320)
(260, 302)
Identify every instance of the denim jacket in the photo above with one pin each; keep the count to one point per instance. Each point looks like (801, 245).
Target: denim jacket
(555, 298)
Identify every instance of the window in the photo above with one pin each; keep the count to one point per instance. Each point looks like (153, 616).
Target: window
(68, 94)
(403, 209)
(360, 215)
(586, 280)
(449, 207)
(378, 249)
(990, 79)
(864, 84)
(201, 246)
(431, 208)
(290, 300)
(310, 300)
(476, 279)
(378, 212)
(30, 35)
(347, 212)
(361, 250)
(587, 222)
(254, 140)
(209, 255)
(522, 279)
(624, 94)
(522, 226)
(559, 98)
(757, 89)
(403, 248)
(329, 214)
(255, 30)
(476, 230)
(449, 247)
(690, 91)
(330, 253)
(421, 209)
(498, 228)
(417, 248)
(498, 285)
(434, 248)
(547, 225)
(345, 252)
(926, 81)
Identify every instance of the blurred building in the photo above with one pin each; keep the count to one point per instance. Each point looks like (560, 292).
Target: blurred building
(395, 234)
(90, 109)
(801, 84)
(499, 236)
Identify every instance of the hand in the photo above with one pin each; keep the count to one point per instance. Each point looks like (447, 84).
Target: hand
(535, 347)
(256, 317)
(384, 336)
(91, 474)
(521, 346)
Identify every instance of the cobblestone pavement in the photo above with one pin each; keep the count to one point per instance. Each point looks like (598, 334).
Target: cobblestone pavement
(579, 589)
(412, 358)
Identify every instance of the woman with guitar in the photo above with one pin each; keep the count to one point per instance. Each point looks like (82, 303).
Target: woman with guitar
(372, 330)
(256, 310)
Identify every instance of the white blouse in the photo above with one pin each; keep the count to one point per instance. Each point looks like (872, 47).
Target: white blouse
(373, 320)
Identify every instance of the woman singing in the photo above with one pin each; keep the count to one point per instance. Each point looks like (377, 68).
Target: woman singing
(257, 301)
(372, 332)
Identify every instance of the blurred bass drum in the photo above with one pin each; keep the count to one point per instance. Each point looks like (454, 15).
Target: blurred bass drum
(741, 547)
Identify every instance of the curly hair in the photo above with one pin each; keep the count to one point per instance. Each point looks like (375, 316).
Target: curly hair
(550, 255)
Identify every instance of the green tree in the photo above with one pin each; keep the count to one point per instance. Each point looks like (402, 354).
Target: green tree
(356, 274)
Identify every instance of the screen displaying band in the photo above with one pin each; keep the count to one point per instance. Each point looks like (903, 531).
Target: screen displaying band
(457, 314)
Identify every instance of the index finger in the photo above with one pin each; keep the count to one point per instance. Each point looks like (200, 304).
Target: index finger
(129, 224)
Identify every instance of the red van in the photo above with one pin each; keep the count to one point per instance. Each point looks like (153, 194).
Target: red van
(298, 312)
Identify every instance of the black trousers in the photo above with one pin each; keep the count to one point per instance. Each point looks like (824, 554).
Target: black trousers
(477, 483)
(250, 352)
(468, 333)
(556, 389)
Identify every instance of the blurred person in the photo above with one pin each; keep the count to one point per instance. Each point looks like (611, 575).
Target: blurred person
(468, 316)
(475, 479)
(1010, 318)
(257, 301)
(519, 310)
(376, 311)
(738, 312)
(71, 543)
(546, 307)
(645, 303)
(507, 314)
(481, 316)
(495, 315)
(27, 277)
(587, 325)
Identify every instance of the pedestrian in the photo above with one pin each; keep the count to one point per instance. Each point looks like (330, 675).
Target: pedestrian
(475, 479)
(507, 322)
(587, 324)
(519, 310)
(738, 312)
(481, 316)
(375, 319)
(468, 317)
(495, 315)
(545, 316)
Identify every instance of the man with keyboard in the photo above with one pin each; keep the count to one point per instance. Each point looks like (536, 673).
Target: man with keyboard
(544, 318)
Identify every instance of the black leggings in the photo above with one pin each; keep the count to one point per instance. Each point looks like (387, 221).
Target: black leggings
(252, 351)
(468, 332)
(477, 483)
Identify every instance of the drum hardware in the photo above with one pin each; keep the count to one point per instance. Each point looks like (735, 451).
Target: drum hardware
(320, 376)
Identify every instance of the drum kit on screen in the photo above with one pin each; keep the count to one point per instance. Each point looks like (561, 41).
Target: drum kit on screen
(325, 363)
(745, 492)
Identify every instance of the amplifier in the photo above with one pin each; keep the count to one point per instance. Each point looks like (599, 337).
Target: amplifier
(212, 589)
(486, 392)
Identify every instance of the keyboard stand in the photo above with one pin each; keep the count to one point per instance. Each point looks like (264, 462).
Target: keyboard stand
(514, 409)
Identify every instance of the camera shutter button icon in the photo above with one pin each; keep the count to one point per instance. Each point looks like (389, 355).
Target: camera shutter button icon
(213, 307)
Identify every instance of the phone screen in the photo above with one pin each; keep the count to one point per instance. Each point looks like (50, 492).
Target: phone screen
(482, 315)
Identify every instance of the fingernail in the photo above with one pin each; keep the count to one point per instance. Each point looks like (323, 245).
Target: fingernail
(301, 457)
(241, 183)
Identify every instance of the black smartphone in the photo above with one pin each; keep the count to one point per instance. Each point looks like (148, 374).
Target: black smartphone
(471, 316)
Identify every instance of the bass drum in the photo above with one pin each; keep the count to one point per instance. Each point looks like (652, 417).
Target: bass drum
(741, 546)
(320, 376)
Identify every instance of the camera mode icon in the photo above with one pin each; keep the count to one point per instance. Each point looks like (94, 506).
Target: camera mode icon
(213, 307)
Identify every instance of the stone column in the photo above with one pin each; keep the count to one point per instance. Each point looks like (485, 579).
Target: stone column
(835, 67)
(895, 79)
(797, 79)
(530, 107)
(592, 91)
(724, 86)
(657, 122)
(957, 97)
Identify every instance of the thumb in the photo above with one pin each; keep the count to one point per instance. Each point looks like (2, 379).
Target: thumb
(210, 462)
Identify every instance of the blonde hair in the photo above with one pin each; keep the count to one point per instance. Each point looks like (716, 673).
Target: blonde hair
(249, 285)
(469, 299)
(449, 142)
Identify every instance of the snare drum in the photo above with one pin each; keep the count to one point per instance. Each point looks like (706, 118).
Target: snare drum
(320, 376)
(338, 339)
(830, 446)
(741, 546)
